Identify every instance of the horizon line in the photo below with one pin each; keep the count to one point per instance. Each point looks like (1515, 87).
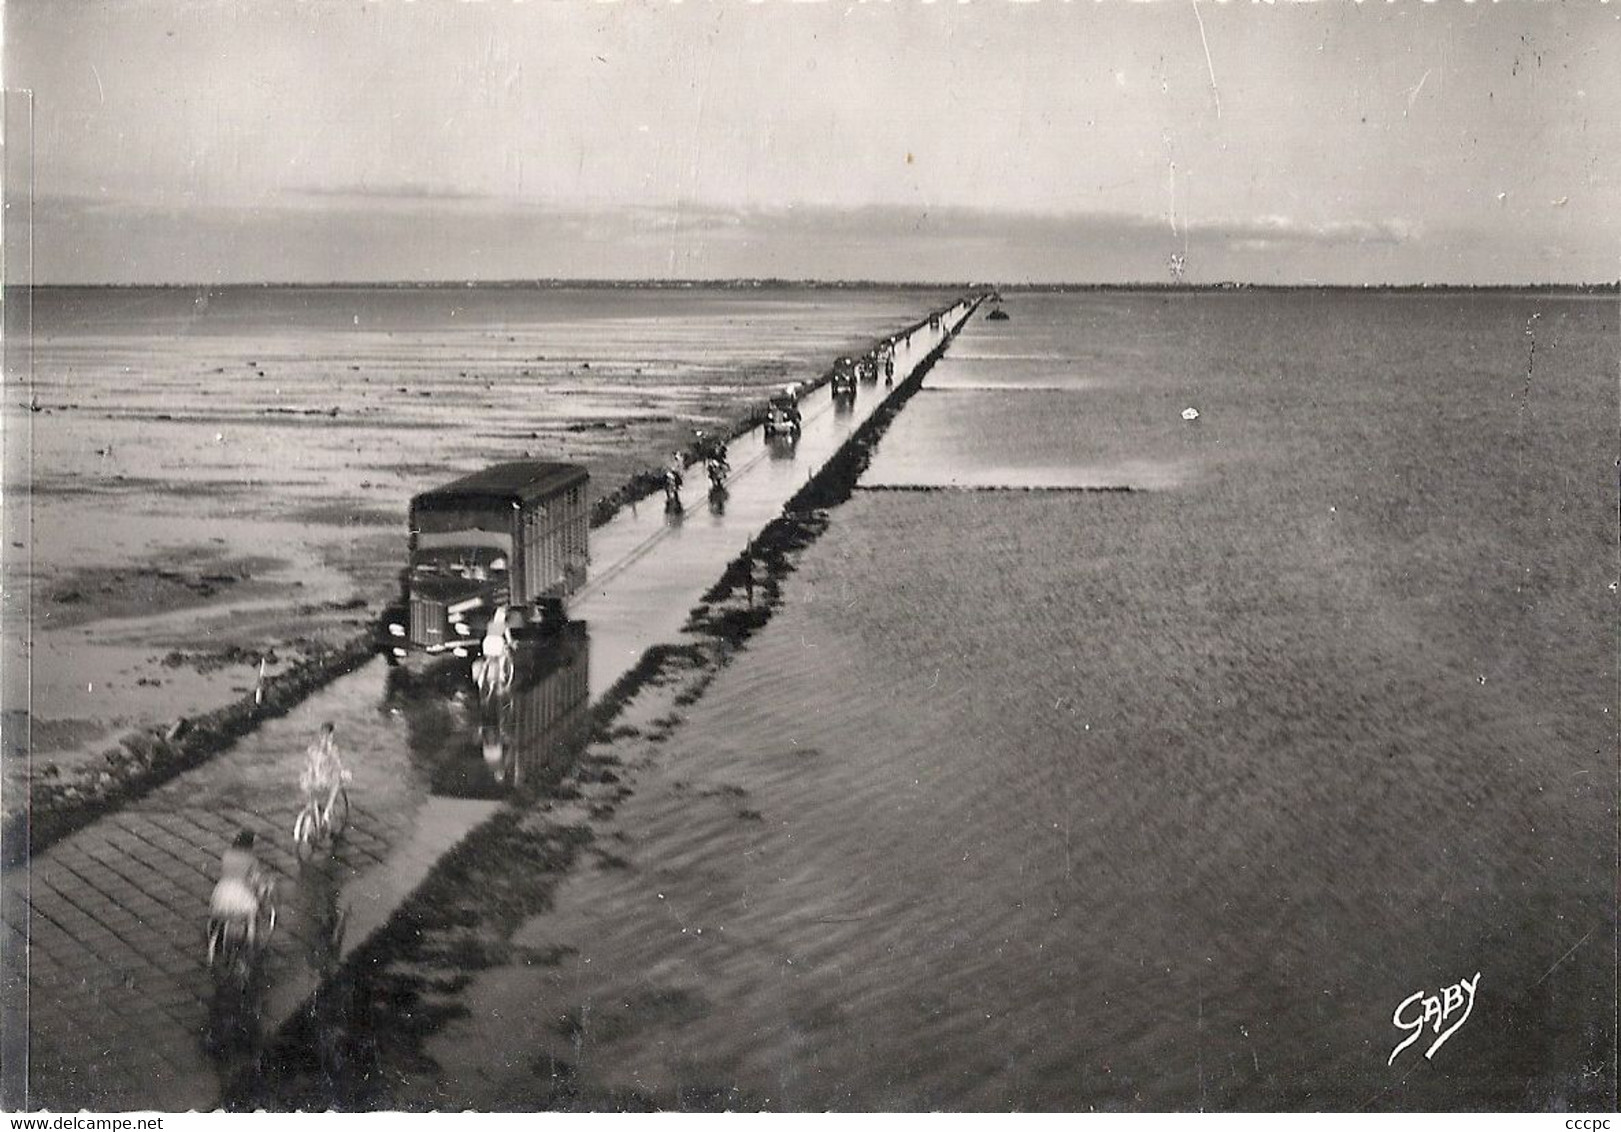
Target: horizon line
(648, 282)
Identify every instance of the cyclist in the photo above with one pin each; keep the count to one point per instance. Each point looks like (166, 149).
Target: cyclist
(324, 771)
(497, 648)
(673, 477)
(718, 470)
(241, 888)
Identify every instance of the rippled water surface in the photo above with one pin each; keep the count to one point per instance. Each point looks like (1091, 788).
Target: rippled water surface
(1162, 799)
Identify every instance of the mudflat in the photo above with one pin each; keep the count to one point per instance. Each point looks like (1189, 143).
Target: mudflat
(219, 477)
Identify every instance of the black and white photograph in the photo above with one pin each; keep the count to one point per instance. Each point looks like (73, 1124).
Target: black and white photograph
(808, 556)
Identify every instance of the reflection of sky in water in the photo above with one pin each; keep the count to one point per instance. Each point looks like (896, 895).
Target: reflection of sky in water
(1065, 394)
(1014, 372)
(1135, 475)
(1027, 438)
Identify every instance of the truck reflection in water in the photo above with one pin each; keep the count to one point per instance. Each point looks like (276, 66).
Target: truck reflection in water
(520, 738)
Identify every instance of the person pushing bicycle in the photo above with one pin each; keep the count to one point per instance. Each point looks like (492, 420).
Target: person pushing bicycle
(324, 773)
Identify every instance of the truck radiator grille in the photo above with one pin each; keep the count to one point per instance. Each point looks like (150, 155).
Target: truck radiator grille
(427, 622)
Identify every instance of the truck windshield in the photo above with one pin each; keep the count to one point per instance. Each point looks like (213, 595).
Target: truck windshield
(475, 564)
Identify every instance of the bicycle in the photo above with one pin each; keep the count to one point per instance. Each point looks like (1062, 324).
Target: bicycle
(493, 674)
(317, 824)
(235, 943)
(718, 471)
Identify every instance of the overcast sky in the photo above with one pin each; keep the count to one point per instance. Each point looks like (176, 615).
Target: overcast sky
(202, 141)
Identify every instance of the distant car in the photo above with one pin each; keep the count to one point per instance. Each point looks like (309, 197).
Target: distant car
(844, 378)
(782, 416)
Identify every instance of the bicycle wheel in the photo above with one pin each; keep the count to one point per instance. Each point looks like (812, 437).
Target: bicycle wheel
(267, 921)
(304, 833)
(228, 959)
(340, 814)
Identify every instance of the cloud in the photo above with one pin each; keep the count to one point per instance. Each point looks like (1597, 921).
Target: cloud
(403, 192)
(883, 221)
(898, 221)
(407, 232)
(1282, 230)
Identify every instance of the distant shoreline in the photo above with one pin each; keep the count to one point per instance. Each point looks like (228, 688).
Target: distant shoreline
(1607, 288)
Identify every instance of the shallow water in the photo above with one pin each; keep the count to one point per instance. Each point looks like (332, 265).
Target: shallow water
(260, 402)
(1147, 800)
(292, 425)
(1023, 436)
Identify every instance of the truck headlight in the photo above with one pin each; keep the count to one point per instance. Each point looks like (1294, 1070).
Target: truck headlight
(395, 629)
(461, 627)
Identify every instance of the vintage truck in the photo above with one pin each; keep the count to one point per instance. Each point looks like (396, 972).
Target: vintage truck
(513, 535)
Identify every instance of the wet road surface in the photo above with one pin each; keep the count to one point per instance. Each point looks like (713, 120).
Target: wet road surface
(121, 1011)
